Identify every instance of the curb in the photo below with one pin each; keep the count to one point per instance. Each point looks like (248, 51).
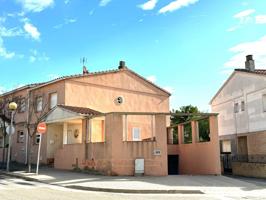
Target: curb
(110, 190)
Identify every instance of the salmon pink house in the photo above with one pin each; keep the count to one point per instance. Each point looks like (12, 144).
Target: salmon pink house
(113, 121)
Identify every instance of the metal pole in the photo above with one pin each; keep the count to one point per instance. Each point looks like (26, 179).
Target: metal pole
(9, 142)
(38, 158)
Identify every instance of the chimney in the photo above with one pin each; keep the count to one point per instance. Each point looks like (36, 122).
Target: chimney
(122, 65)
(250, 63)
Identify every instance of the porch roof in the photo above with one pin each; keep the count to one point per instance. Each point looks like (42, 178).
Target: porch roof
(63, 113)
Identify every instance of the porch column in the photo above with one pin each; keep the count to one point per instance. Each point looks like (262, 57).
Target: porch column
(65, 133)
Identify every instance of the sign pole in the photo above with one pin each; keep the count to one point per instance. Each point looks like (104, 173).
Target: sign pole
(9, 141)
(38, 158)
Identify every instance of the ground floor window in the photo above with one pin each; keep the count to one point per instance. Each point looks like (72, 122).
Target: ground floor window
(97, 130)
(138, 128)
(20, 137)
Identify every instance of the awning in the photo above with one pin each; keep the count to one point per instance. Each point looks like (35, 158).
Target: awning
(63, 113)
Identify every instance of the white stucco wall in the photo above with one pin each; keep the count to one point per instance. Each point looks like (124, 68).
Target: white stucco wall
(245, 87)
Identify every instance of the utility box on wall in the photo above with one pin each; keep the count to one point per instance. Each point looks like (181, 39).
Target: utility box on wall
(139, 166)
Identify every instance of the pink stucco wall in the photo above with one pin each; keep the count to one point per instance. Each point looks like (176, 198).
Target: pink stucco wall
(199, 157)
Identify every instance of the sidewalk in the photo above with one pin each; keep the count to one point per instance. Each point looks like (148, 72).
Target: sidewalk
(182, 184)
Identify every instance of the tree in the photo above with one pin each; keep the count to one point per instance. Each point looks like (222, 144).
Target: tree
(179, 118)
(35, 116)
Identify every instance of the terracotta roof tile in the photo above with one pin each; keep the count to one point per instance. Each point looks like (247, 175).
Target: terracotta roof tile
(80, 110)
(256, 71)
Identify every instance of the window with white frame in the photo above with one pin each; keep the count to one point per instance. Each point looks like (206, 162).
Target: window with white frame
(136, 134)
(20, 137)
(53, 100)
(264, 102)
(39, 104)
(236, 107)
(37, 138)
(242, 105)
(22, 105)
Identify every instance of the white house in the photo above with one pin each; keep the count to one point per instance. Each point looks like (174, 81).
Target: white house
(241, 104)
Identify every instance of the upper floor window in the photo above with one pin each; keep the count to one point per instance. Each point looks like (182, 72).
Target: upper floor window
(53, 100)
(236, 107)
(242, 105)
(20, 137)
(264, 102)
(39, 104)
(136, 134)
(22, 105)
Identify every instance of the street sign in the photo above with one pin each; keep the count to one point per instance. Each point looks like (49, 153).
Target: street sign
(41, 128)
(10, 130)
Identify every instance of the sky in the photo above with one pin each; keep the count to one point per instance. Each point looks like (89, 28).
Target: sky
(188, 47)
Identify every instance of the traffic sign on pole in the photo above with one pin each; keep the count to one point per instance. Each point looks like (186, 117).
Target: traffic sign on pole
(10, 130)
(41, 128)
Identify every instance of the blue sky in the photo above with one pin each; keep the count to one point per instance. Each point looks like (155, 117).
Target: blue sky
(188, 47)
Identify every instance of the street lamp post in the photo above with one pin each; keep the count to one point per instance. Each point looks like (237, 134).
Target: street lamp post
(12, 106)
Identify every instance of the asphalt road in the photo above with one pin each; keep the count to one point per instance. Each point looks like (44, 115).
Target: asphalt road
(18, 189)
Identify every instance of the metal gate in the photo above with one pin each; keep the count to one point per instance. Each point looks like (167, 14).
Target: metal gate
(226, 159)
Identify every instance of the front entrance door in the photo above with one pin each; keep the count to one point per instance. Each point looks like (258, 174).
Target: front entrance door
(226, 158)
(173, 161)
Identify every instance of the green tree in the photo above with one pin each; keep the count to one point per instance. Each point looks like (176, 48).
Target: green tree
(177, 119)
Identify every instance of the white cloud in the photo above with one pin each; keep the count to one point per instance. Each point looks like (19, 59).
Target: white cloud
(169, 89)
(177, 4)
(261, 19)
(66, 1)
(104, 2)
(36, 5)
(67, 21)
(149, 5)
(245, 16)
(3, 52)
(232, 29)
(4, 32)
(32, 31)
(36, 56)
(256, 48)
(244, 13)
(151, 78)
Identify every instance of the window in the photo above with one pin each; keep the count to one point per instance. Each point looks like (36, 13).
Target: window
(236, 108)
(204, 130)
(37, 138)
(22, 105)
(136, 134)
(187, 133)
(242, 106)
(226, 146)
(20, 137)
(264, 102)
(1, 141)
(53, 100)
(97, 130)
(38, 104)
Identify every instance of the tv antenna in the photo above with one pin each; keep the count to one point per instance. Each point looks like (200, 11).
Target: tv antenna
(83, 61)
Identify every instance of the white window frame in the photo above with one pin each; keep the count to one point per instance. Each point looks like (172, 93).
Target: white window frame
(22, 108)
(39, 104)
(134, 129)
(51, 103)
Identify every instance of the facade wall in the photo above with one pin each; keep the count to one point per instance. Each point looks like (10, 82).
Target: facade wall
(115, 156)
(249, 169)
(241, 87)
(198, 157)
(99, 93)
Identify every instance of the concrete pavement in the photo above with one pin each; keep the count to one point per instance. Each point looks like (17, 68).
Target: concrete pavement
(207, 185)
